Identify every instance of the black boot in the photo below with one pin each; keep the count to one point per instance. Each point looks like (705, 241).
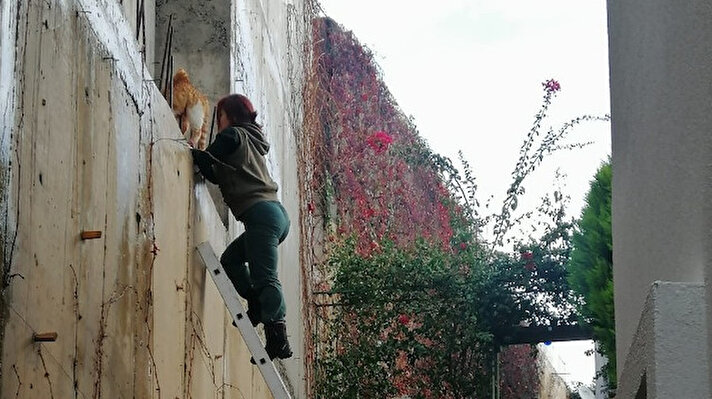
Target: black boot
(277, 344)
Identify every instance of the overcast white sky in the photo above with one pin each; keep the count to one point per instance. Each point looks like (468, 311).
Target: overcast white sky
(470, 73)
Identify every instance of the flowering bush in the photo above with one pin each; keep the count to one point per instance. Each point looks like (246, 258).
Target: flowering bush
(406, 317)
(425, 322)
(417, 302)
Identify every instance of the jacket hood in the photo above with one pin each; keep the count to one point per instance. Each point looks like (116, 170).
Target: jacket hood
(254, 134)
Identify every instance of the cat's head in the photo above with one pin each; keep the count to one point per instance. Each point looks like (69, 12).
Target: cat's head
(180, 76)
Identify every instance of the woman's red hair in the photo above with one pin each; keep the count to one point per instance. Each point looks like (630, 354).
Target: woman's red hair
(238, 108)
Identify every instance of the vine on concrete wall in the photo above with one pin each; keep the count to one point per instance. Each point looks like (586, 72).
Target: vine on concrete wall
(519, 372)
(310, 226)
(373, 180)
(412, 299)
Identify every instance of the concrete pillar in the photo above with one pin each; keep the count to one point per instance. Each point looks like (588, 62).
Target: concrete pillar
(661, 108)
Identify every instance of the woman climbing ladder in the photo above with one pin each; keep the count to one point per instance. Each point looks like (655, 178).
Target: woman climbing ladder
(235, 161)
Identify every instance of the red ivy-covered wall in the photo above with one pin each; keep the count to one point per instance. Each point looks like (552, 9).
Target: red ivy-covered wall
(380, 189)
(374, 170)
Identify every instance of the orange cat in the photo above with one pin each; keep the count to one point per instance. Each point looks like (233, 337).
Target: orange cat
(190, 106)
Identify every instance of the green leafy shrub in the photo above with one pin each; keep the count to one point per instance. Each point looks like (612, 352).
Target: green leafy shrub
(591, 267)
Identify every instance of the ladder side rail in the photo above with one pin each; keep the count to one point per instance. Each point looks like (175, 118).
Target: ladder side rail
(237, 311)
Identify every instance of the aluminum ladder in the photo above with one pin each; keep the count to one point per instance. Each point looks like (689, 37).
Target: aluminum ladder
(239, 315)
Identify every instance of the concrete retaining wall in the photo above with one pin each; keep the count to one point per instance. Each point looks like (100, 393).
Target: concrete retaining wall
(88, 143)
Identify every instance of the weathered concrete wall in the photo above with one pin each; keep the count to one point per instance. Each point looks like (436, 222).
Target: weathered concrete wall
(267, 66)
(661, 71)
(552, 385)
(8, 97)
(88, 143)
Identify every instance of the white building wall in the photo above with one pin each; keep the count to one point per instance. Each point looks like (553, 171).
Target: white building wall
(661, 74)
(552, 385)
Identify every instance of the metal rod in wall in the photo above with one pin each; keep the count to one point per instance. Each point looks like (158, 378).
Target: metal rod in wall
(170, 81)
(212, 124)
(166, 53)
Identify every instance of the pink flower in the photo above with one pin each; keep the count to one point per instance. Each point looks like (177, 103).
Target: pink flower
(463, 246)
(379, 141)
(403, 319)
(528, 255)
(531, 266)
(551, 86)
(368, 212)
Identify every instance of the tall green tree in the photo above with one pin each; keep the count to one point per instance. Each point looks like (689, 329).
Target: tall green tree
(591, 267)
